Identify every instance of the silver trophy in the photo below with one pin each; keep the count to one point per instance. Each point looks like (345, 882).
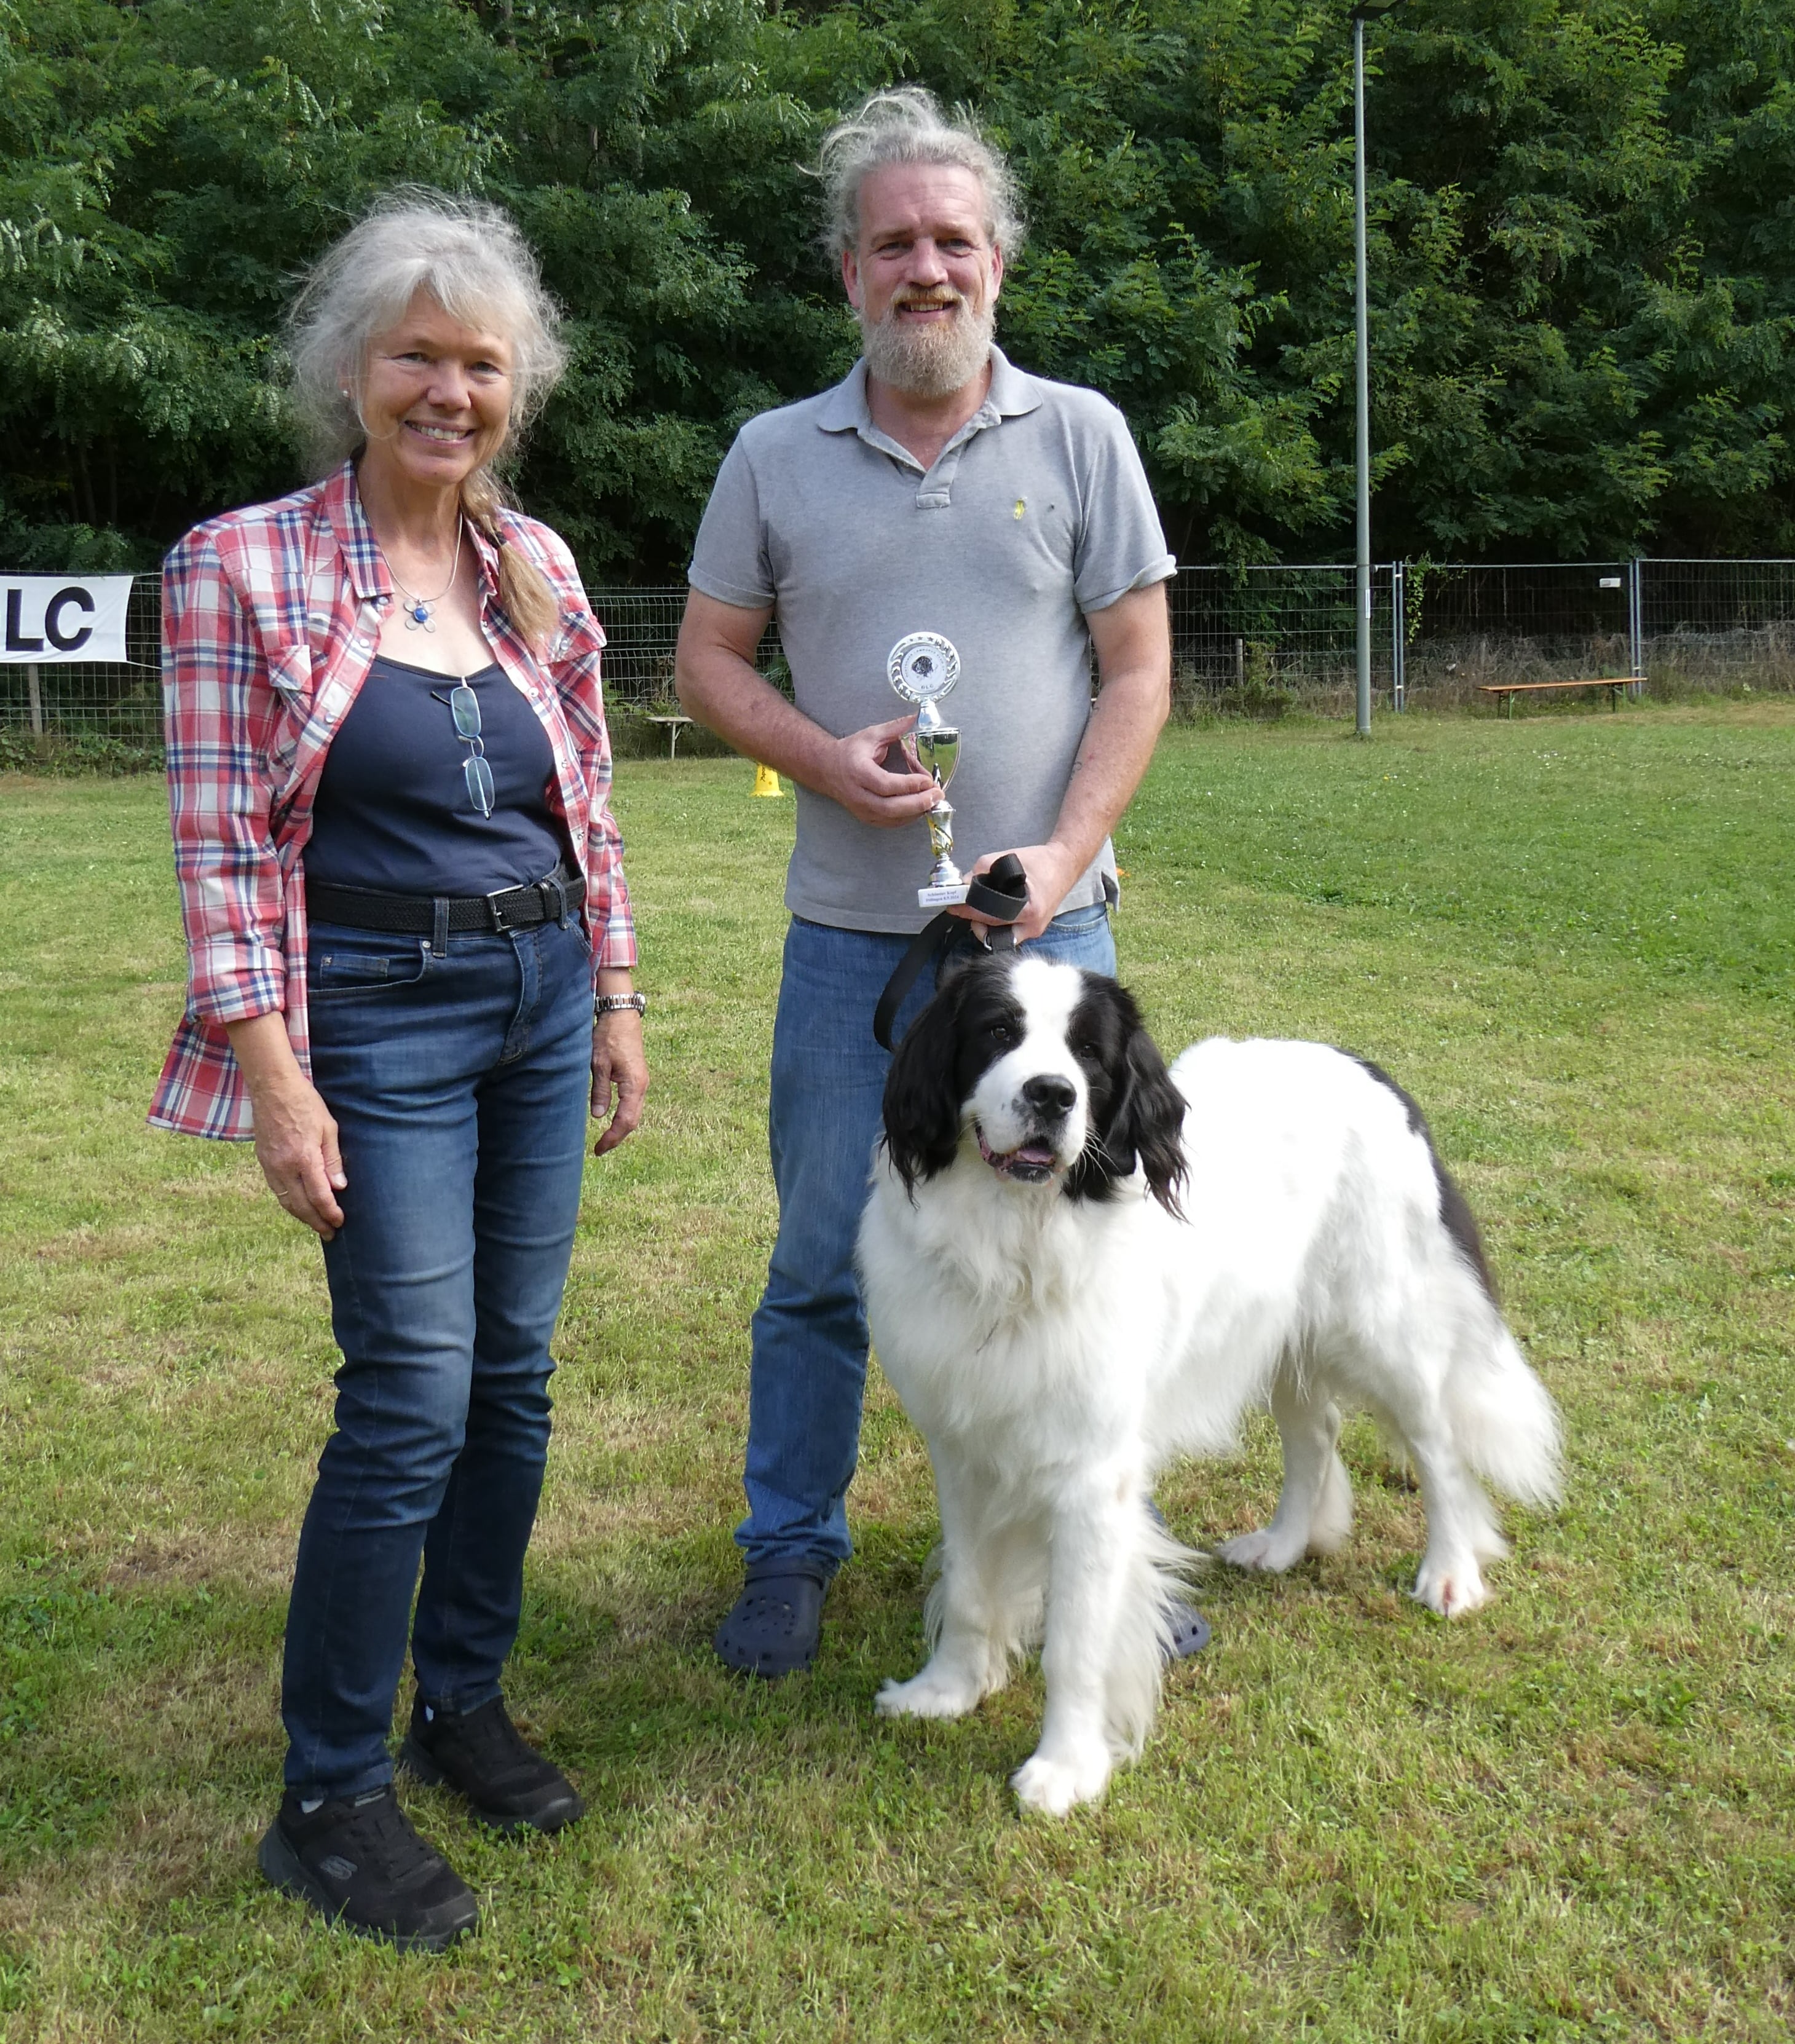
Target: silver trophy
(922, 668)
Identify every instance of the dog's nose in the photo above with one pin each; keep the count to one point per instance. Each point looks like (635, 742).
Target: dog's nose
(1049, 1095)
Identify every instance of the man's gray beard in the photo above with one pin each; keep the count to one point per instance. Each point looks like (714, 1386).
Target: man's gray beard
(930, 361)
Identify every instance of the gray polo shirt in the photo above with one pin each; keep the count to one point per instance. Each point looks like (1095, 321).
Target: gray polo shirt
(1036, 512)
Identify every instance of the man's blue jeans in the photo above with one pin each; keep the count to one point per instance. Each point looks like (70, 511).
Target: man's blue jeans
(809, 1372)
(459, 1085)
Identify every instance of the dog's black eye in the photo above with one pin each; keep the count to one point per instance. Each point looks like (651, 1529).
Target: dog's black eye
(1000, 1032)
(1091, 1053)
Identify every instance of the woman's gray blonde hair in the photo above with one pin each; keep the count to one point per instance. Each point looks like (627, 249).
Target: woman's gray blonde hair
(905, 125)
(471, 259)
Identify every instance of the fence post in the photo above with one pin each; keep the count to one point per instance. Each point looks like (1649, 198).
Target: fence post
(1636, 627)
(35, 695)
(1398, 639)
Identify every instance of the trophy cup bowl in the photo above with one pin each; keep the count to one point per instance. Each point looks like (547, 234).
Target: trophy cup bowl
(936, 745)
(922, 668)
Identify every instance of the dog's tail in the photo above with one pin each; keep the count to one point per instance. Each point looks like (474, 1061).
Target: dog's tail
(1157, 1583)
(1503, 1418)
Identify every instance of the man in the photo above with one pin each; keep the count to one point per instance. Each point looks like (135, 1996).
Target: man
(938, 489)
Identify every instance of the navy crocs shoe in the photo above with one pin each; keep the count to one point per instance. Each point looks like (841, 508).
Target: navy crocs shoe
(774, 1625)
(1190, 1630)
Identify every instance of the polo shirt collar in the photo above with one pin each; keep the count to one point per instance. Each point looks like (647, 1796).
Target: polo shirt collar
(1013, 393)
(845, 409)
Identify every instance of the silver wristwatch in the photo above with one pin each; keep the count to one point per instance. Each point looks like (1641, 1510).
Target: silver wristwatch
(614, 1004)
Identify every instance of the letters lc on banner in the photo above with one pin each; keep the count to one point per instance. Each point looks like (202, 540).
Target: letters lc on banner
(52, 618)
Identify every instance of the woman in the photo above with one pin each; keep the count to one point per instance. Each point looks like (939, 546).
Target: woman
(404, 900)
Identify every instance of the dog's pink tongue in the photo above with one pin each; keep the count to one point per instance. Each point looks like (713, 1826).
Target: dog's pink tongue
(1028, 1156)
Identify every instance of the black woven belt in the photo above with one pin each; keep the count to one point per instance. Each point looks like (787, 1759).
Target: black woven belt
(425, 915)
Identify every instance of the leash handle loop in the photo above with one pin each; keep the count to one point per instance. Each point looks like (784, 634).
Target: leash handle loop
(1002, 893)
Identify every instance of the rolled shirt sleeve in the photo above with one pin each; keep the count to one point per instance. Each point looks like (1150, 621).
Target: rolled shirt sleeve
(613, 924)
(218, 707)
(575, 674)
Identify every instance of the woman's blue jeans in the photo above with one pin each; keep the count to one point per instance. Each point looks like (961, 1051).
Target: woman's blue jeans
(809, 1372)
(459, 1085)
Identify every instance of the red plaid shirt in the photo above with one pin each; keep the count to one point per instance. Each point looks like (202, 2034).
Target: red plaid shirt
(270, 619)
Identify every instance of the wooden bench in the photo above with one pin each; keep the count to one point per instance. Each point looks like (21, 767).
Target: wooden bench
(675, 724)
(1616, 685)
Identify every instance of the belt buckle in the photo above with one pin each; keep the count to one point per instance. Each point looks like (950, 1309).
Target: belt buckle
(494, 914)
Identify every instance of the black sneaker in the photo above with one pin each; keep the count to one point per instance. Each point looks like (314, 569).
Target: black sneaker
(482, 1755)
(358, 1862)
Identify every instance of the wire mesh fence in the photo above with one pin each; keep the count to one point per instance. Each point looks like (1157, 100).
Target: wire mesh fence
(1262, 638)
(1256, 639)
(1484, 628)
(1718, 624)
(641, 633)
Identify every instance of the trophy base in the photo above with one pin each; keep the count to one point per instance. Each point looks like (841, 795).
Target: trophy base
(946, 897)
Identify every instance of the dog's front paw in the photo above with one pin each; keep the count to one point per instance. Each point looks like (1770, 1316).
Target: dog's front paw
(1054, 1785)
(1452, 1587)
(1270, 1553)
(936, 1692)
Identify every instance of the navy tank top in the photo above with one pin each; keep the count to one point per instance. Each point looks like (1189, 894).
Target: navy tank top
(393, 812)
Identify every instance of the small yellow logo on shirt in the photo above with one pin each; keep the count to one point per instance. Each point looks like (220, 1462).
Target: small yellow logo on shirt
(1021, 505)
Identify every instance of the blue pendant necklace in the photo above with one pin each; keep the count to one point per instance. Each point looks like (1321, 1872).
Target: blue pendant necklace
(418, 610)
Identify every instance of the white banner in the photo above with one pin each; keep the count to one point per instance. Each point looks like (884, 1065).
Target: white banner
(55, 619)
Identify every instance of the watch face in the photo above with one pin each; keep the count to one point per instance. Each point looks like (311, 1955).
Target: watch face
(923, 667)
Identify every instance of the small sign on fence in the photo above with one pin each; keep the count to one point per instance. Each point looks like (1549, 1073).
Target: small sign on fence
(55, 619)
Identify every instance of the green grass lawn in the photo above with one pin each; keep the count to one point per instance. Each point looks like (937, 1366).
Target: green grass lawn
(1571, 936)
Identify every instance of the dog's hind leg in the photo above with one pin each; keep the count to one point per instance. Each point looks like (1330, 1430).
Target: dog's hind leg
(1462, 1529)
(1314, 1513)
(980, 1611)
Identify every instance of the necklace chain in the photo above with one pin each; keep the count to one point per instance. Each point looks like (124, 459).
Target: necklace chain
(418, 610)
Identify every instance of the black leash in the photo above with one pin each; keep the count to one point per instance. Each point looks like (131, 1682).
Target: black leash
(1002, 894)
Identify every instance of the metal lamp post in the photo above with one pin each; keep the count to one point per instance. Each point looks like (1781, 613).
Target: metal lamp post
(1361, 15)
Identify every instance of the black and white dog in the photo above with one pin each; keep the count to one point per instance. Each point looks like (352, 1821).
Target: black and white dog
(1078, 1265)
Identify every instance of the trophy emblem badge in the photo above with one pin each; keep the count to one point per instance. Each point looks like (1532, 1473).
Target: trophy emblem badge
(922, 667)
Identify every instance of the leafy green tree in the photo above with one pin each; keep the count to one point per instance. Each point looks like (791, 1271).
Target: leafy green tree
(1583, 248)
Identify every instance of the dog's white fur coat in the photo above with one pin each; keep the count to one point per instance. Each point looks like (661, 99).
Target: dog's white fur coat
(1057, 1351)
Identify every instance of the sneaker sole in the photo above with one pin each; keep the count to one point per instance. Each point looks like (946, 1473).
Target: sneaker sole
(418, 1764)
(283, 1868)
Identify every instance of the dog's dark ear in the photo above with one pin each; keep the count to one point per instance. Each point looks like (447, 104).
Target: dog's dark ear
(922, 1103)
(1137, 1113)
(1149, 1122)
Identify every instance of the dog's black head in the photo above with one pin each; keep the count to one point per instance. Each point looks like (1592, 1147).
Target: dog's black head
(1051, 1069)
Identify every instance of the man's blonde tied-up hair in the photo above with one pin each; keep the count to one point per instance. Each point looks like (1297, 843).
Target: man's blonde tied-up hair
(905, 125)
(473, 261)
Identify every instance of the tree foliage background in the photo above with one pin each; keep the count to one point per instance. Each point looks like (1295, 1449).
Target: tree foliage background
(1583, 249)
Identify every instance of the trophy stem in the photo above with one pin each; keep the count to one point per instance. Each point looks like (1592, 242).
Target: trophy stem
(940, 820)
